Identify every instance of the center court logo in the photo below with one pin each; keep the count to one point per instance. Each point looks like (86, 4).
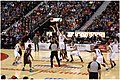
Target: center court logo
(64, 69)
(63, 66)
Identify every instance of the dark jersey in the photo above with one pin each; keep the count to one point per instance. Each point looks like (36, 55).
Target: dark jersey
(27, 56)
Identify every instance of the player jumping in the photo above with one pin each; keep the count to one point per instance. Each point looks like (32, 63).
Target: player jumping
(61, 38)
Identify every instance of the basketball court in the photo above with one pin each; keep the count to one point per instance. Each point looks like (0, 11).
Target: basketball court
(42, 70)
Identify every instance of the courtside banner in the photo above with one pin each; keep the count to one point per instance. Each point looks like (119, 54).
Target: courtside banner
(49, 33)
(82, 34)
(42, 46)
(82, 47)
(70, 34)
(32, 45)
(85, 34)
(102, 47)
(45, 46)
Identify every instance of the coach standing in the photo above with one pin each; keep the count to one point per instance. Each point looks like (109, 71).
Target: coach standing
(36, 41)
(94, 69)
(54, 52)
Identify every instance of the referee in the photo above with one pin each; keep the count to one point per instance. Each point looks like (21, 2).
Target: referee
(94, 69)
(54, 52)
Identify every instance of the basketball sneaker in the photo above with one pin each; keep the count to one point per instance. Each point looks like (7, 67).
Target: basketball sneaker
(30, 70)
(23, 69)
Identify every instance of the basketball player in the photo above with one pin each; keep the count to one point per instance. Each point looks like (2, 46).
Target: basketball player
(62, 38)
(100, 58)
(75, 51)
(27, 56)
(65, 54)
(17, 53)
(61, 42)
(115, 42)
(112, 55)
(54, 52)
(113, 48)
(20, 52)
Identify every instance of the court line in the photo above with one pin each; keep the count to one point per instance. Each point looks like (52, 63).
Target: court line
(55, 71)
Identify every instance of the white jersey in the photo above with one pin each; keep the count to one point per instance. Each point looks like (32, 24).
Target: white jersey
(76, 52)
(78, 48)
(17, 47)
(99, 56)
(16, 54)
(73, 47)
(98, 52)
(111, 50)
(61, 38)
(115, 48)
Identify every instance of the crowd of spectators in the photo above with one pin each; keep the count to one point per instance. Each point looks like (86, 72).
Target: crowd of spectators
(108, 21)
(12, 11)
(77, 14)
(74, 15)
(95, 39)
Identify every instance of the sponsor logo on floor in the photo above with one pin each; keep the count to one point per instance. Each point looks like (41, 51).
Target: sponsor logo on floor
(64, 69)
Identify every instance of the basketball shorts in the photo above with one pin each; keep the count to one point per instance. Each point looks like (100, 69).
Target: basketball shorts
(61, 45)
(100, 59)
(77, 53)
(16, 54)
(112, 56)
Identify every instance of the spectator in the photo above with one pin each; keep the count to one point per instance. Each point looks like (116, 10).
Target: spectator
(93, 38)
(99, 38)
(88, 38)
(14, 77)
(78, 38)
(25, 77)
(108, 21)
(3, 77)
(73, 38)
(29, 41)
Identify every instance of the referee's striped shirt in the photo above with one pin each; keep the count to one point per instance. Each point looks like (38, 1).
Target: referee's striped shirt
(94, 66)
(53, 47)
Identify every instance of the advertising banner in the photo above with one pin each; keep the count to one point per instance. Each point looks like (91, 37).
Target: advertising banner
(102, 47)
(82, 34)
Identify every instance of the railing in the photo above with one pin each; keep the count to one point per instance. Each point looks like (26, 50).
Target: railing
(41, 25)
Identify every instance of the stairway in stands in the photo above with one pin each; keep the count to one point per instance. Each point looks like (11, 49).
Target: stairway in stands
(97, 13)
